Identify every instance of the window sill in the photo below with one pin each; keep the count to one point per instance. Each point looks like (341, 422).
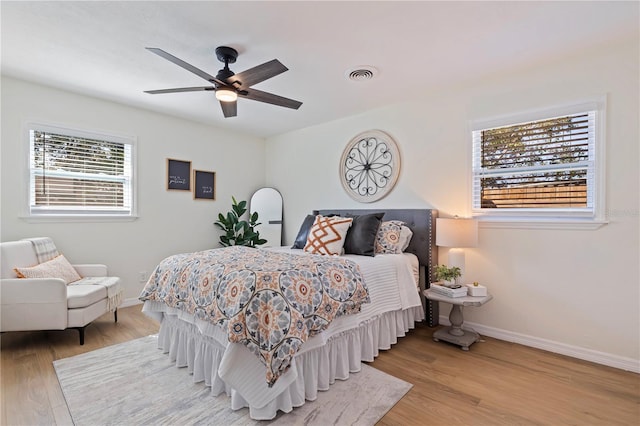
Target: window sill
(77, 219)
(550, 223)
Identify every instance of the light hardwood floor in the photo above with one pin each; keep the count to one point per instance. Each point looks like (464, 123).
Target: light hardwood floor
(495, 383)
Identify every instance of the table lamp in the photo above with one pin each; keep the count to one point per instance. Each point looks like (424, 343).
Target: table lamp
(456, 233)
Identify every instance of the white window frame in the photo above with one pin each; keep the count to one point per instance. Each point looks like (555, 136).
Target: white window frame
(34, 214)
(547, 218)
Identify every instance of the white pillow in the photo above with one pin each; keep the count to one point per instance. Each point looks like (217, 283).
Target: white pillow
(327, 235)
(58, 267)
(405, 237)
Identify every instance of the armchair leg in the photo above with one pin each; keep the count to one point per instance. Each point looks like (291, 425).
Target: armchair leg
(115, 315)
(81, 331)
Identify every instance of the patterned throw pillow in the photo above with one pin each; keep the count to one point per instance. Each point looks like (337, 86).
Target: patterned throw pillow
(327, 235)
(58, 267)
(388, 240)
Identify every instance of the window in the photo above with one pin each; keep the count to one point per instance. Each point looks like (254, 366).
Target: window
(541, 169)
(75, 173)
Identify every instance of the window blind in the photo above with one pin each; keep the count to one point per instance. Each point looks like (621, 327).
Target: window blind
(79, 175)
(537, 165)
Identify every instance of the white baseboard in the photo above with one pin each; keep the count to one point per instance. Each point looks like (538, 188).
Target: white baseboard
(611, 360)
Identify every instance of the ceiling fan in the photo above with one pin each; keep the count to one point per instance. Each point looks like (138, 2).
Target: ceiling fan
(229, 85)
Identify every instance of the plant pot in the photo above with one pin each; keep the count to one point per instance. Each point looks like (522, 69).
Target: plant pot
(450, 283)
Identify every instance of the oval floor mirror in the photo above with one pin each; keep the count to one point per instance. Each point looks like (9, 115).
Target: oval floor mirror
(268, 203)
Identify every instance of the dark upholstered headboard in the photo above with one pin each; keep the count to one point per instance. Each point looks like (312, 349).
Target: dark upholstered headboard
(422, 223)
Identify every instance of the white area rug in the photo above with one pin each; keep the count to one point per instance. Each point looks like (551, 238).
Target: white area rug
(134, 383)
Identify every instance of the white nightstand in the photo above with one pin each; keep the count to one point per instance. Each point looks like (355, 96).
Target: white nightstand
(455, 334)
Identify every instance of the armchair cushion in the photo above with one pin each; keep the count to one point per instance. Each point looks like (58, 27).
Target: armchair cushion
(80, 296)
(58, 267)
(111, 285)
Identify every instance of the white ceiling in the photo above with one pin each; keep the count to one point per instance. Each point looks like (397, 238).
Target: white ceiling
(97, 48)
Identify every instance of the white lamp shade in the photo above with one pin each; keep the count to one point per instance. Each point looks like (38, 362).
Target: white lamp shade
(456, 232)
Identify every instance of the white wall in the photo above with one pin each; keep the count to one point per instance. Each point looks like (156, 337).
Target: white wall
(169, 221)
(576, 290)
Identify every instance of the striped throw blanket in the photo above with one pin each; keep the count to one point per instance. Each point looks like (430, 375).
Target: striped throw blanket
(44, 247)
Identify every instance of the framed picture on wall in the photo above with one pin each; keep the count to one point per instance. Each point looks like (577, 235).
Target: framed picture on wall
(178, 174)
(204, 185)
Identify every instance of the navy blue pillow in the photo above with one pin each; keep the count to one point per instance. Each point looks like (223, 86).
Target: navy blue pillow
(303, 233)
(361, 237)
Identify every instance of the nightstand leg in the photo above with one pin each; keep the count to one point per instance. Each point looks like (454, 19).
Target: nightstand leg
(456, 319)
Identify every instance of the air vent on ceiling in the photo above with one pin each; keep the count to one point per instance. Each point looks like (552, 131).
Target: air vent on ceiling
(361, 73)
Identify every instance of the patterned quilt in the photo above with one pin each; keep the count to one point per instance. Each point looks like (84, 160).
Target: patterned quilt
(271, 302)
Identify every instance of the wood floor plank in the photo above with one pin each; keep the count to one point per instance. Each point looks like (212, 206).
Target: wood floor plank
(495, 383)
(62, 416)
(499, 382)
(30, 391)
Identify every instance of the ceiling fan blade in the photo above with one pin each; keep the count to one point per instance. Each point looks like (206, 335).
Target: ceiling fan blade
(179, 89)
(270, 98)
(229, 109)
(185, 65)
(257, 74)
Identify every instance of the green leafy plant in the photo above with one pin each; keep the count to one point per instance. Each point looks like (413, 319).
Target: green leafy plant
(445, 273)
(239, 232)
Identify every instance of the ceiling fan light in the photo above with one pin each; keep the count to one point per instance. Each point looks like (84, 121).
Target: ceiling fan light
(225, 94)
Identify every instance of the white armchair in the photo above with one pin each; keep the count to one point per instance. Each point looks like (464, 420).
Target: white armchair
(49, 303)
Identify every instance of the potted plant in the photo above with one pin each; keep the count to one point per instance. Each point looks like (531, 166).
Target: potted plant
(448, 274)
(239, 232)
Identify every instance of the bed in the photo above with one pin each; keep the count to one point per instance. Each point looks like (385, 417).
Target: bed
(390, 306)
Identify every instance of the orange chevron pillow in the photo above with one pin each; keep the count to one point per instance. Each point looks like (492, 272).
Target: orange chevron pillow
(58, 267)
(327, 235)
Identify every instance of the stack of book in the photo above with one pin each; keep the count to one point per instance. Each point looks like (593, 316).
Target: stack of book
(448, 291)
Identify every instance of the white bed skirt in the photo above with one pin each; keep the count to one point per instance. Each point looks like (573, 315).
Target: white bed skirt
(316, 367)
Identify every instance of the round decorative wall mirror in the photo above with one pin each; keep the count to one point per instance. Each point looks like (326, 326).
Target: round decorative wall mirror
(370, 166)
